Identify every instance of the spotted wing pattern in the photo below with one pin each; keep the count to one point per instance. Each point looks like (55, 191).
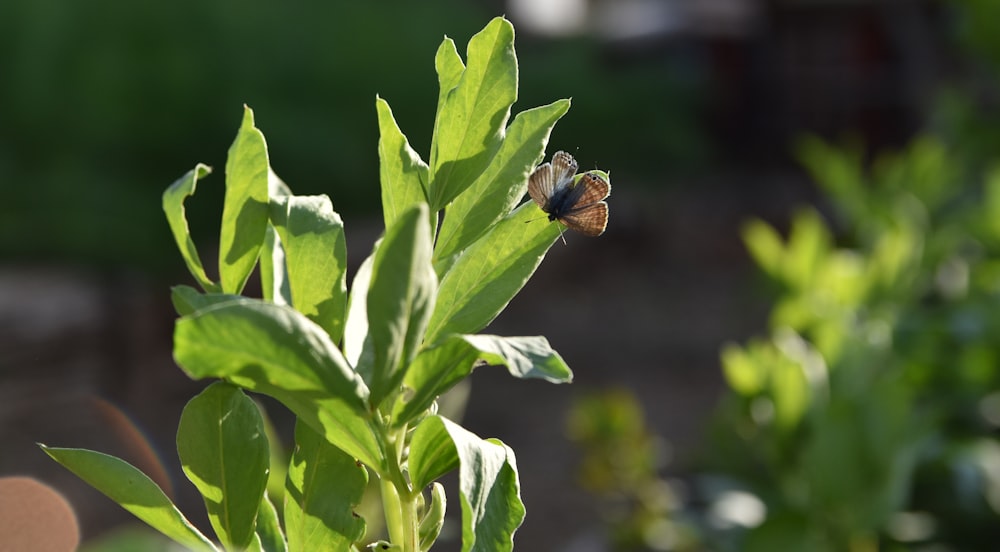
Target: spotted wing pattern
(549, 177)
(589, 214)
(595, 188)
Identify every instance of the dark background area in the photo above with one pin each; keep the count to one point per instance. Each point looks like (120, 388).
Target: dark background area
(693, 107)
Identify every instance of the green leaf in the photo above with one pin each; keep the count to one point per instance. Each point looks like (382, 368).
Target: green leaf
(186, 299)
(471, 120)
(432, 452)
(765, 246)
(525, 357)
(433, 520)
(244, 213)
(273, 272)
(132, 490)
(449, 67)
(839, 171)
(277, 351)
(490, 493)
(312, 237)
(808, 243)
(323, 487)
(437, 369)
(400, 299)
(356, 338)
(224, 452)
(743, 370)
(269, 527)
(502, 185)
(433, 371)
(403, 174)
(489, 489)
(173, 207)
(490, 272)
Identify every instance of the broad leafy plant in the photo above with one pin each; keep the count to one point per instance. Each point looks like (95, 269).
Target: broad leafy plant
(360, 369)
(866, 419)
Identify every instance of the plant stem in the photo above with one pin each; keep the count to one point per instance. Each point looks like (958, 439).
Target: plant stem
(398, 500)
(393, 511)
(411, 538)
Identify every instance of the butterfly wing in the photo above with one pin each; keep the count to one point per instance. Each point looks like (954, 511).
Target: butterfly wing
(595, 188)
(540, 185)
(589, 214)
(563, 167)
(591, 220)
(550, 176)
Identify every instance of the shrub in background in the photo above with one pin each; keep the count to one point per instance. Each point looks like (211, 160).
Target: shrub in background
(865, 420)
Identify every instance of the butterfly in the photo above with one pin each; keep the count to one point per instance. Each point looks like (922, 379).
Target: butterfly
(579, 204)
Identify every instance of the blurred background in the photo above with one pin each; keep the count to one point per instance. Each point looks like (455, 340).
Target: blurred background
(786, 340)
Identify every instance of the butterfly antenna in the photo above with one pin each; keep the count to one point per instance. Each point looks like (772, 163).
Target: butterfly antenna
(562, 235)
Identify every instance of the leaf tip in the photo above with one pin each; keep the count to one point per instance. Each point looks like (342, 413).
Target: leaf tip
(248, 121)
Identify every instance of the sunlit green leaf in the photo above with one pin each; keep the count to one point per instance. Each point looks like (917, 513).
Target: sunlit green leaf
(490, 272)
(471, 120)
(432, 452)
(132, 490)
(273, 272)
(765, 245)
(502, 185)
(790, 392)
(808, 242)
(315, 254)
(323, 487)
(489, 490)
(744, 375)
(356, 338)
(224, 452)
(400, 299)
(244, 213)
(173, 207)
(449, 67)
(437, 369)
(269, 527)
(277, 351)
(433, 520)
(403, 175)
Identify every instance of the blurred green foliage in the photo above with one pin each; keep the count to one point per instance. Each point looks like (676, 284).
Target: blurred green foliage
(104, 101)
(867, 418)
(101, 102)
(619, 464)
(863, 421)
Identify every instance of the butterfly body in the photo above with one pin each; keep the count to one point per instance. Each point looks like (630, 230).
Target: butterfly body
(562, 200)
(577, 203)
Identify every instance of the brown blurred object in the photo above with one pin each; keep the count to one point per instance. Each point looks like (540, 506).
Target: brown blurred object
(85, 362)
(35, 517)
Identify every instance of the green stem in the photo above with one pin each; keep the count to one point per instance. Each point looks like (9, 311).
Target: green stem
(411, 538)
(393, 511)
(398, 500)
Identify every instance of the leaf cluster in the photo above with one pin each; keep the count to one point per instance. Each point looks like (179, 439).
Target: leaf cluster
(361, 369)
(883, 351)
